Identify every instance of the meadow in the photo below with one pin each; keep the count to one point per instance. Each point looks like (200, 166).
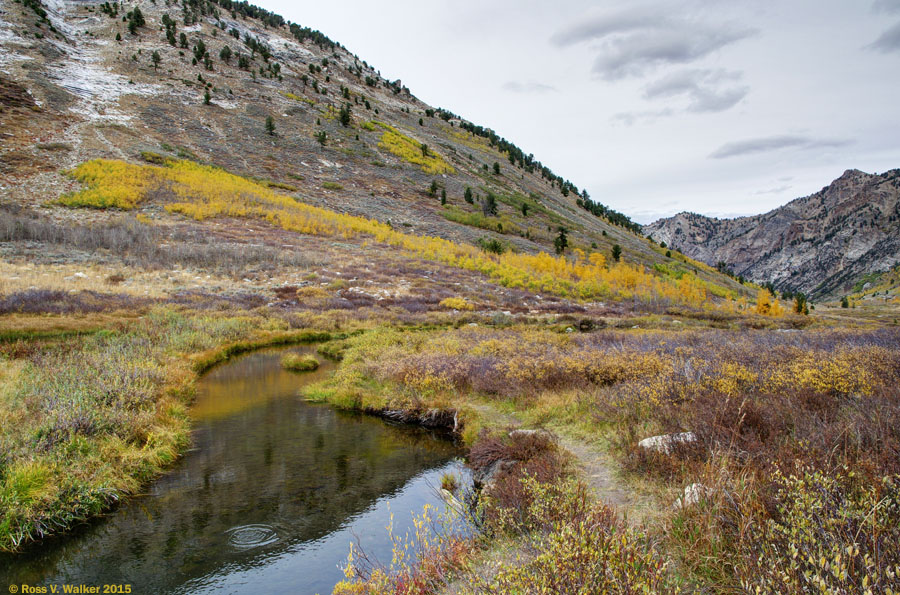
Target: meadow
(795, 450)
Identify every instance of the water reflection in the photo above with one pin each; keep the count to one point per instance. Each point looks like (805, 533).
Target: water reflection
(268, 499)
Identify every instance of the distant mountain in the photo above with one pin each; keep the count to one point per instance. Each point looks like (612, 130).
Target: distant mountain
(819, 244)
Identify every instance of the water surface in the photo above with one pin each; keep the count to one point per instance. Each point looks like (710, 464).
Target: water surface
(267, 500)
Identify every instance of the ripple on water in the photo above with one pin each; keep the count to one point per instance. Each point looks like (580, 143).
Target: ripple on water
(245, 537)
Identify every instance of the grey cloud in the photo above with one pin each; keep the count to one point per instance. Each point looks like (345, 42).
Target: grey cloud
(632, 118)
(598, 26)
(889, 41)
(634, 54)
(635, 40)
(777, 190)
(529, 87)
(706, 90)
(774, 143)
(887, 6)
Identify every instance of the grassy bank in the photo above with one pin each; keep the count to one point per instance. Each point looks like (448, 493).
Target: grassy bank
(794, 459)
(87, 420)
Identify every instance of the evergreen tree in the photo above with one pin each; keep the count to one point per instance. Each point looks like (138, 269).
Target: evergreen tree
(270, 125)
(845, 303)
(468, 195)
(489, 205)
(225, 54)
(561, 242)
(443, 196)
(322, 137)
(206, 98)
(156, 59)
(616, 252)
(524, 209)
(496, 169)
(344, 116)
(424, 148)
(432, 190)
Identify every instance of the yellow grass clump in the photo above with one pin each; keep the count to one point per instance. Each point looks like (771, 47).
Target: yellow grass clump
(456, 303)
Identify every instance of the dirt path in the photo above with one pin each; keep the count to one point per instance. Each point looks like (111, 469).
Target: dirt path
(603, 475)
(595, 466)
(594, 463)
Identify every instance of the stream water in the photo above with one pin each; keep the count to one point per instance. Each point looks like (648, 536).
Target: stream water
(267, 501)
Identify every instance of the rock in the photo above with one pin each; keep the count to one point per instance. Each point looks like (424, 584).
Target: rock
(537, 432)
(484, 478)
(79, 275)
(692, 495)
(666, 442)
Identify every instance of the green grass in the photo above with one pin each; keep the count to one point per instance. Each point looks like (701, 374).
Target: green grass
(475, 219)
(296, 362)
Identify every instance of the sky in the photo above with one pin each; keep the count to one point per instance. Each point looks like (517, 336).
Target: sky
(719, 107)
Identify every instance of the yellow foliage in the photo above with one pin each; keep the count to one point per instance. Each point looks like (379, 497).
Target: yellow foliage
(110, 184)
(456, 303)
(203, 191)
(294, 97)
(410, 150)
(768, 305)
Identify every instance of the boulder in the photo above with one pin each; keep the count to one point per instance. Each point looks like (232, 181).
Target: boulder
(692, 495)
(666, 442)
(539, 432)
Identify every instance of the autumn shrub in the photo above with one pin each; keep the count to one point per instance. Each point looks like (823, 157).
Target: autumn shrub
(821, 405)
(143, 245)
(580, 547)
(504, 461)
(830, 533)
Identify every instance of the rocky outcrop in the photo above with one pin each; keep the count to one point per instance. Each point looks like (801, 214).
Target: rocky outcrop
(820, 244)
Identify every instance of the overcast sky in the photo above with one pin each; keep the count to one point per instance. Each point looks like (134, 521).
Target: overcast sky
(713, 106)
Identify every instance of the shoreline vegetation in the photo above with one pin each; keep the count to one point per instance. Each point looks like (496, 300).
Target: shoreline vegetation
(88, 420)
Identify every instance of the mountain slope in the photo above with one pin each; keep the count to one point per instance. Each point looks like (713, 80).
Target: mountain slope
(82, 81)
(819, 244)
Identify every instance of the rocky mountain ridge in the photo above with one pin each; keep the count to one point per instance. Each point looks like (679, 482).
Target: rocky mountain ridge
(819, 244)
